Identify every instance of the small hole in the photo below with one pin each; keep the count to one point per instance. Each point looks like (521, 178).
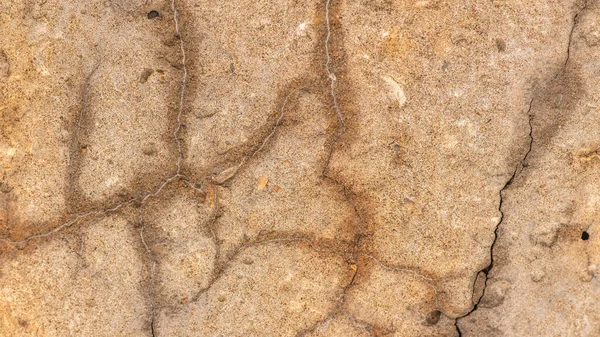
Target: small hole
(585, 235)
(433, 317)
(153, 14)
(500, 45)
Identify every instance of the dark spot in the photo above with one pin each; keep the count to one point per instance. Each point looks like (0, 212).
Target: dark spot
(23, 323)
(5, 188)
(501, 45)
(585, 236)
(4, 66)
(84, 149)
(153, 14)
(433, 317)
(232, 68)
(145, 75)
(445, 66)
(149, 149)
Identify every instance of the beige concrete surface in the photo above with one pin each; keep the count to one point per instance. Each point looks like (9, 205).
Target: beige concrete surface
(299, 168)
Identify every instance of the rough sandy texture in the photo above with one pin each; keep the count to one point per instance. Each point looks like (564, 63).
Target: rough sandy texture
(299, 168)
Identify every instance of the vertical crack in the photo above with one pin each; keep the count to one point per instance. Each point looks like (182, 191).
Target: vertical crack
(518, 169)
(183, 87)
(575, 22)
(354, 253)
(330, 73)
(522, 164)
(150, 255)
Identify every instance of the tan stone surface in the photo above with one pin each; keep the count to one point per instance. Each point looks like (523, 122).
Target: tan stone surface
(288, 168)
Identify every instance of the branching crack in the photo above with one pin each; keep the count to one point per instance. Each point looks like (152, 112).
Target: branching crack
(369, 328)
(358, 235)
(230, 172)
(136, 200)
(220, 269)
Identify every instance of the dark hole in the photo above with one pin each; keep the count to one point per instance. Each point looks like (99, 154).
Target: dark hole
(433, 317)
(153, 14)
(501, 45)
(585, 235)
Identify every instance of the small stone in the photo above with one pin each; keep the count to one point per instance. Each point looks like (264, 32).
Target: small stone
(479, 286)
(537, 275)
(544, 235)
(145, 75)
(586, 276)
(396, 92)
(153, 14)
(262, 183)
(494, 294)
(225, 175)
(445, 66)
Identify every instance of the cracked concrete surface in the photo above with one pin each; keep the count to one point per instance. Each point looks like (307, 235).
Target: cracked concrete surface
(317, 168)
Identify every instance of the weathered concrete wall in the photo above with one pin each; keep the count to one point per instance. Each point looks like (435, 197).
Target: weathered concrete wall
(287, 168)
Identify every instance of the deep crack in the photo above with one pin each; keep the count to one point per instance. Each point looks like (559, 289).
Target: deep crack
(520, 166)
(150, 278)
(518, 169)
(575, 22)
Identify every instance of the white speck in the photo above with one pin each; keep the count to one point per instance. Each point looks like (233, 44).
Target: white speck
(385, 34)
(458, 93)
(396, 90)
(111, 181)
(496, 220)
(301, 29)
